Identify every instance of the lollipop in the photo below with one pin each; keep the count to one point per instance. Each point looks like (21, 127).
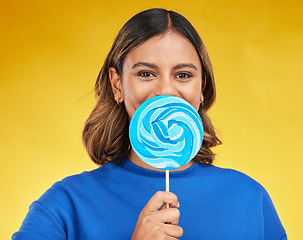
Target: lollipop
(166, 132)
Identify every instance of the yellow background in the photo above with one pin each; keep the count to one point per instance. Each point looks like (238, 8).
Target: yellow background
(51, 53)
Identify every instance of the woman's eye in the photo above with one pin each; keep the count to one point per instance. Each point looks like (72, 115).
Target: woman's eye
(145, 74)
(183, 75)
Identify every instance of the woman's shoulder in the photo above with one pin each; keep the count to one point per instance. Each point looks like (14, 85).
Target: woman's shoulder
(234, 179)
(106, 170)
(80, 185)
(229, 173)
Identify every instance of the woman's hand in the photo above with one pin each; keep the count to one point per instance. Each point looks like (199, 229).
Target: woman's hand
(159, 224)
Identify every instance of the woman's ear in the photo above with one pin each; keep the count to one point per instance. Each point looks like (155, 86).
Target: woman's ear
(201, 98)
(116, 84)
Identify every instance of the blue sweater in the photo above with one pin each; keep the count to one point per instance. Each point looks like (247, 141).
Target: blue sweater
(105, 203)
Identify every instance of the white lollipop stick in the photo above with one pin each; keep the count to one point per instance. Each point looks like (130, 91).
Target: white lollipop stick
(167, 185)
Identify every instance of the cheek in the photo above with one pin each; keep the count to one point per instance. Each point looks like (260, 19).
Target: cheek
(195, 101)
(134, 94)
(192, 94)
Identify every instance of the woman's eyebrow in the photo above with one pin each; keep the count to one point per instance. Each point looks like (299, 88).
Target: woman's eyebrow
(145, 64)
(184, 65)
(178, 66)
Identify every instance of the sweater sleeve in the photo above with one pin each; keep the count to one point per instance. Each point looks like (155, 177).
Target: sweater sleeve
(273, 229)
(41, 224)
(49, 216)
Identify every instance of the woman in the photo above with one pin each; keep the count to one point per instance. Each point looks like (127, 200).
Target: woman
(157, 52)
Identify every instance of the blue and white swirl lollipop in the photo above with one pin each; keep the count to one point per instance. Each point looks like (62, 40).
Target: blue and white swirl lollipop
(166, 132)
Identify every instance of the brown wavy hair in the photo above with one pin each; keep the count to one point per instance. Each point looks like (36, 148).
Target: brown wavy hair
(105, 134)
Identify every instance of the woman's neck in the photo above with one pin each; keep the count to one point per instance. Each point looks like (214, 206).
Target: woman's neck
(132, 156)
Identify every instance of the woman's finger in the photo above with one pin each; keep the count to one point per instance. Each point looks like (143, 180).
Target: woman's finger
(159, 198)
(169, 215)
(173, 231)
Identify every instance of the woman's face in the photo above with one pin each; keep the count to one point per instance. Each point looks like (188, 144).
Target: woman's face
(166, 64)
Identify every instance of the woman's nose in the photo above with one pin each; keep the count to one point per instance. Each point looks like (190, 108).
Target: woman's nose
(165, 86)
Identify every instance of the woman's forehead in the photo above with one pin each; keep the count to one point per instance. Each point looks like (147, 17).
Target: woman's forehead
(168, 48)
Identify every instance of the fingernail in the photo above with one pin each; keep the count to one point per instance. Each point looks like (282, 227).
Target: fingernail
(178, 204)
